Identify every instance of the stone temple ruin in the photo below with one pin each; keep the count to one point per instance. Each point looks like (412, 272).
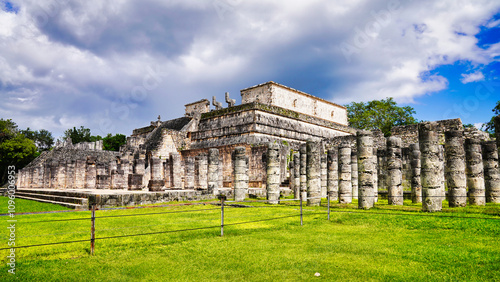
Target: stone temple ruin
(279, 141)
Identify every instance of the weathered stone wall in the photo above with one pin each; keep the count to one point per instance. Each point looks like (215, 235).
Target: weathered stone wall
(259, 124)
(271, 93)
(409, 133)
(198, 107)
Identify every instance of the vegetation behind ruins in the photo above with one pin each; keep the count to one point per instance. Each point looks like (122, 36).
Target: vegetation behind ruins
(385, 243)
(379, 114)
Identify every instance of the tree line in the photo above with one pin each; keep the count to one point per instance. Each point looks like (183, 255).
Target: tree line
(18, 147)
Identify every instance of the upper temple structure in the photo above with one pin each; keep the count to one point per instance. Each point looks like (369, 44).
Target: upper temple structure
(193, 157)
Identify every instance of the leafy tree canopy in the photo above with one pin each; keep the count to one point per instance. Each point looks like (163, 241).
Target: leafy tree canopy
(81, 134)
(382, 114)
(15, 149)
(490, 125)
(43, 138)
(113, 143)
(8, 129)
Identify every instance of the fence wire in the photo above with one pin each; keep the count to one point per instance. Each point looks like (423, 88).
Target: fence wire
(304, 212)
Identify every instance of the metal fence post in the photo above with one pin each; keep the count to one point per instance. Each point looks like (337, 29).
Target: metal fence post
(92, 231)
(328, 200)
(222, 216)
(301, 220)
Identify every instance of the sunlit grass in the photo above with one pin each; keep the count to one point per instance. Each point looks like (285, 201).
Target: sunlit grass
(384, 243)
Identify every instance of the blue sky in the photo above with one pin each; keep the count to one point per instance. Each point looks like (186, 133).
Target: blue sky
(114, 66)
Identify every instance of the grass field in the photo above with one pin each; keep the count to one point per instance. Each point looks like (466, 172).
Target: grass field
(384, 243)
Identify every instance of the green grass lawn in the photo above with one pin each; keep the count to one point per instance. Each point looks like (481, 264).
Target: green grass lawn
(384, 243)
(23, 205)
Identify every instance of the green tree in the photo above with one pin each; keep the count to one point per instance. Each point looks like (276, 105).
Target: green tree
(43, 138)
(490, 125)
(8, 129)
(15, 149)
(382, 114)
(113, 143)
(81, 134)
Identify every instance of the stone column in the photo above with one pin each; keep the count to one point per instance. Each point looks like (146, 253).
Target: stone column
(61, 175)
(167, 172)
(189, 173)
(303, 170)
(431, 182)
(36, 177)
(118, 177)
(201, 171)
(40, 176)
(354, 173)
(324, 177)
(441, 172)
(176, 170)
(157, 182)
(91, 174)
(497, 133)
(491, 173)
(80, 174)
(240, 174)
(366, 169)
(313, 171)
(139, 166)
(345, 181)
(394, 164)
(46, 175)
(291, 172)
(213, 170)
(475, 171)
(416, 184)
(455, 168)
(273, 173)
(70, 174)
(375, 175)
(333, 174)
(126, 166)
(220, 181)
(381, 171)
(156, 169)
(296, 175)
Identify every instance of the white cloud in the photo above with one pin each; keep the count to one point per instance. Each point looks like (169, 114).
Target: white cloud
(71, 63)
(472, 77)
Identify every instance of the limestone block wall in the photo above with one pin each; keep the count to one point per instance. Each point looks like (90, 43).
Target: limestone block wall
(202, 106)
(275, 94)
(409, 133)
(259, 124)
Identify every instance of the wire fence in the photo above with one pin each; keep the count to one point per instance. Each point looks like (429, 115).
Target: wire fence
(224, 205)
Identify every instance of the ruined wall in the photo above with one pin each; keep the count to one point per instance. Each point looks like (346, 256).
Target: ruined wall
(202, 106)
(409, 133)
(261, 124)
(272, 93)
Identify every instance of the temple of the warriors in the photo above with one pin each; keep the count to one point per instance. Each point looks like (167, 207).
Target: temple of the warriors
(279, 141)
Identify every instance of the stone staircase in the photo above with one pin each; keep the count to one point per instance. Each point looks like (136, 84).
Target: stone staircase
(70, 199)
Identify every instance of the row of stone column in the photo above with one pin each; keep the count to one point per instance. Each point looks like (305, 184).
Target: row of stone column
(470, 164)
(465, 163)
(200, 172)
(76, 174)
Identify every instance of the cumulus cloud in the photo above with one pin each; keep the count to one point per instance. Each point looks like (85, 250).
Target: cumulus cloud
(115, 65)
(472, 77)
